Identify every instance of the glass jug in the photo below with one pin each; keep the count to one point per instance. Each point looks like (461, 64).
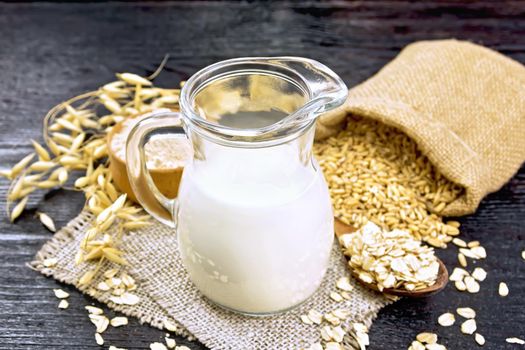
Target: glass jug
(253, 214)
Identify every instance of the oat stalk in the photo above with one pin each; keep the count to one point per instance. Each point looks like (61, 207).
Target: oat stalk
(75, 151)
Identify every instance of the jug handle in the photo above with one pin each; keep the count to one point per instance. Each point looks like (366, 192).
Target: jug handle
(145, 190)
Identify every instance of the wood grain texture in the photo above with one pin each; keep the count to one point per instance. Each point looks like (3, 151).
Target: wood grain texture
(52, 51)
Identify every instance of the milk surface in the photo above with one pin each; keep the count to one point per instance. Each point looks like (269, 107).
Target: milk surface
(255, 227)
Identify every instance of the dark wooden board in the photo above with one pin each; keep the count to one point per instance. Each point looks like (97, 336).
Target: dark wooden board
(52, 51)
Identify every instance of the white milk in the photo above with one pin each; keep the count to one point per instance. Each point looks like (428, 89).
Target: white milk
(255, 227)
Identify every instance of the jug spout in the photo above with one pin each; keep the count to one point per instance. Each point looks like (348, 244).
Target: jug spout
(326, 89)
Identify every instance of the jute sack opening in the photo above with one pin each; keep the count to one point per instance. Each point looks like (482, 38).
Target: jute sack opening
(462, 103)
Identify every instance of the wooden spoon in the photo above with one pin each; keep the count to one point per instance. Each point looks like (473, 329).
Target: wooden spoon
(442, 279)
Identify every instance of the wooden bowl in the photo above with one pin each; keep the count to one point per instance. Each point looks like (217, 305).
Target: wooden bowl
(166, 179)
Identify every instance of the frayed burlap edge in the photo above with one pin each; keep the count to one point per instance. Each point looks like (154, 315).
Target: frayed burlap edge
(66, 235)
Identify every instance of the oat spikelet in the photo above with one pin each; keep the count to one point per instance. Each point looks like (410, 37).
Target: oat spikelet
(75, 143)
(17, 210)
(46, 221)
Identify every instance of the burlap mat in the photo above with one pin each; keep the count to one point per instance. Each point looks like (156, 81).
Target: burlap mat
(465, 107)
(462, 103)
(167, 293)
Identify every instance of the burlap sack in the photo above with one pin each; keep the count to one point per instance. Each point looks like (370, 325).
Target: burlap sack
(462, 103)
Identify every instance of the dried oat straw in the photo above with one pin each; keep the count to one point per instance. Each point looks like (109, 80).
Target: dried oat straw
(75, 134)
(377, 173)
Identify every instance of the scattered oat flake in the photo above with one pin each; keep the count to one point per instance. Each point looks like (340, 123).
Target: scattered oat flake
(458, 274)
(338, 334)
(169, 326)
(466, 312)
(60, 294)
(115, 348)
(363, 340)
(306, 320)
(515, 340)
(103, 286)
(360, 327)
(336, 296)
(468, 327)
(333, 346)
(343, 283)
(472, 284)
(50, 262)
(94, 310)
(128, 280)
(523, 255)
(170, 342)
(479, 339)
(346, 295)
(416, 346)
(126, 299)
(315, 316)
(332, 319)
(103, 325)
(427, 337)
(460, 285)
(503, 289)
(474, 253)
(63, 304)
(101, 322)
(342, 313)
(182, 347)
(157, 346)
(479, 251)
(316, 346)
(118, 321)
(99, 339)
(326, 333)
(479, 273)
(129, 299)
(435, 347)
(446, 320)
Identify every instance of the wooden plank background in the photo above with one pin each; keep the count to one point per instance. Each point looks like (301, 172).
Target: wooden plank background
(52, 51)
